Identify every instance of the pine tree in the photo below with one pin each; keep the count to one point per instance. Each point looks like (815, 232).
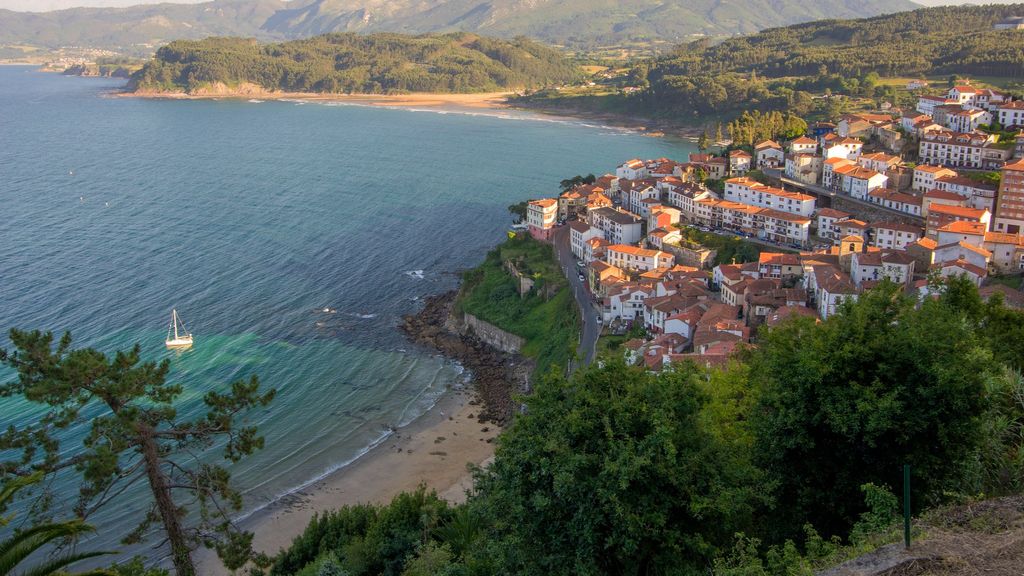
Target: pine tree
(133, 433)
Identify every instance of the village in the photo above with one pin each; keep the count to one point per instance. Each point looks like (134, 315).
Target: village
(914, 224)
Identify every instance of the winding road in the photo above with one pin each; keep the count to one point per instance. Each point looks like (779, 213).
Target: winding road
(588, 310)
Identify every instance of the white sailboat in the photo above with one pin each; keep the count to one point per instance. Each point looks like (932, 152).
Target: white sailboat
(177, 339)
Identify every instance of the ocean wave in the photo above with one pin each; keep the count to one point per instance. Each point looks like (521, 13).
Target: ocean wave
(416, 274)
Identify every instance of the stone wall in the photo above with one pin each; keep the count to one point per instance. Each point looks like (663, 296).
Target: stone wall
(871, 214)
(487, 333)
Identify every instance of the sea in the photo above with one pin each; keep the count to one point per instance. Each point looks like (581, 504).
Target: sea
(290, 236)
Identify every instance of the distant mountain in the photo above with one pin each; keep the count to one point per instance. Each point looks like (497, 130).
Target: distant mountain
(572, 22)
(149, 24)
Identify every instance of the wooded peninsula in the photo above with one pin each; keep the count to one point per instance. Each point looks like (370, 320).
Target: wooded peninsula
(358, 64)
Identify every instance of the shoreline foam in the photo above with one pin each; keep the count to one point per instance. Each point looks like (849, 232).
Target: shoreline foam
(435, 450)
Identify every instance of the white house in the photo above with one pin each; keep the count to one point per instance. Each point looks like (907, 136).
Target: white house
(803, 145)
(966, 150)
(830, 287)
(753, 193)
(894, 200)
(579, 233)
(848, 148)
(897, 266)
(859, 182)
(895, 235)
(1011, 114)
(968, 120)
(634, 169)
(926, 175)
(629, 257)
(803, 167)
(828, 219)
(541, 216)
(769, 154)
(634, 198)
(739, 162)
(618, 227)
(683, 197)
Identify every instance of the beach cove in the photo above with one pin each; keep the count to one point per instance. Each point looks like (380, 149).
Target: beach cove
(293, 237)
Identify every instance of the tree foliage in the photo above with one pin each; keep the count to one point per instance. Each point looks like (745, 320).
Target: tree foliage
(353, 63)
(134, 433)
(611, 472)
(849, 401)
(16, 549)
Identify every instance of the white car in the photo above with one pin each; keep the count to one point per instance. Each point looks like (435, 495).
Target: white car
(582, 278)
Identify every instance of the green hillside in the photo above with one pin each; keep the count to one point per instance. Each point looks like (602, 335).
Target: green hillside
(352, 63)
(779, 68)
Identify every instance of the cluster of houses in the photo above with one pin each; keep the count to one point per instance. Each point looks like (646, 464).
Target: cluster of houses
(627, 231)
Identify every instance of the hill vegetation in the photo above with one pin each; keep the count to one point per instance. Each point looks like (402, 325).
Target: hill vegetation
(779, 68)
(352, 63)
(780, 463)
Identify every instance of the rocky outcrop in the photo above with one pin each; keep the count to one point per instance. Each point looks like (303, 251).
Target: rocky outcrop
(497, 376)
(97, 71)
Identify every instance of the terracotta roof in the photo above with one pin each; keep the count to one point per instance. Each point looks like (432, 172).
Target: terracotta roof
(784, 312)
(898, 226)
(968, 247)
(1011, 298)
(739, 154)
(894, 196)
(804, 140)
(936, 194)
(964, 227)
(832, 213)
(1017, 166)
(635, 251)
(965, 265)
(767, 144)
(960, 211)
(545, 202)
(1001, 238)
(927, 243)
(931, 169)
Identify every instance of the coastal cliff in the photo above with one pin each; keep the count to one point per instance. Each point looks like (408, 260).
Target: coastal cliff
(497, 376)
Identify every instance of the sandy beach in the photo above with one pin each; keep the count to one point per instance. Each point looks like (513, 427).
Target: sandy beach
(486, 100)
(433, 450)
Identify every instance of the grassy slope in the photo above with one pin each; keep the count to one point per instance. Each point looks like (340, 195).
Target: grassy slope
(550, 326)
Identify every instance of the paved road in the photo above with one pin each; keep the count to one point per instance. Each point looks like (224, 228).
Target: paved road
(588, 310)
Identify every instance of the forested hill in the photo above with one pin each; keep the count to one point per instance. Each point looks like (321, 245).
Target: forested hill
(352, 63)
(933, 40)
(770, 69)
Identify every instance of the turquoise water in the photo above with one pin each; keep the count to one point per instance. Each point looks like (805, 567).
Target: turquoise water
(251, 219)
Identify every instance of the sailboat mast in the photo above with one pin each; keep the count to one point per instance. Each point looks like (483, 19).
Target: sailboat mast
(174, 320)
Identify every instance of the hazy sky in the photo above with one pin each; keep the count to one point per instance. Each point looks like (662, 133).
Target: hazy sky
(44, 5)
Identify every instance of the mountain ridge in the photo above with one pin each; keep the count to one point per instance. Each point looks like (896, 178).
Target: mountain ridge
(576, 23)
